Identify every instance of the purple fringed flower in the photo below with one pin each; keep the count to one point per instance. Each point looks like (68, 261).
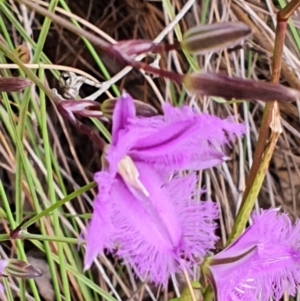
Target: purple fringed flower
(144, 208)
(263, 263)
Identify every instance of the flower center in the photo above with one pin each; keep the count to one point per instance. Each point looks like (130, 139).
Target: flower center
(129, 173)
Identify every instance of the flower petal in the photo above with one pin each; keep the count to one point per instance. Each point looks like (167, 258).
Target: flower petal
(147, 229)
(100, 230)
(123, 111)
(183, 139)
(196, 218)
(159, 234)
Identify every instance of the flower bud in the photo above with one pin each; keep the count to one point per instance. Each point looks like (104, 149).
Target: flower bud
(13, 84)
(86, 108)
(142, 109)
(213, 37)
(21, 269)
(23, 53)
(217, 84)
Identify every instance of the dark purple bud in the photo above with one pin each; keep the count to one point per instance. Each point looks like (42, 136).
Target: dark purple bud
(216, 84)
(13, 84)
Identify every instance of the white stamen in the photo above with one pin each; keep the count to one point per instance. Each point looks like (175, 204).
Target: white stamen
(250, 280)
(247, 286)
(129, 173)
(239, 290)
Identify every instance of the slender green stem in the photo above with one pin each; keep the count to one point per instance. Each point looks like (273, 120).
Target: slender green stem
(8, 292)
(43, 33)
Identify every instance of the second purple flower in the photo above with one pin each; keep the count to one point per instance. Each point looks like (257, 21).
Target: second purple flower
(261, 264)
